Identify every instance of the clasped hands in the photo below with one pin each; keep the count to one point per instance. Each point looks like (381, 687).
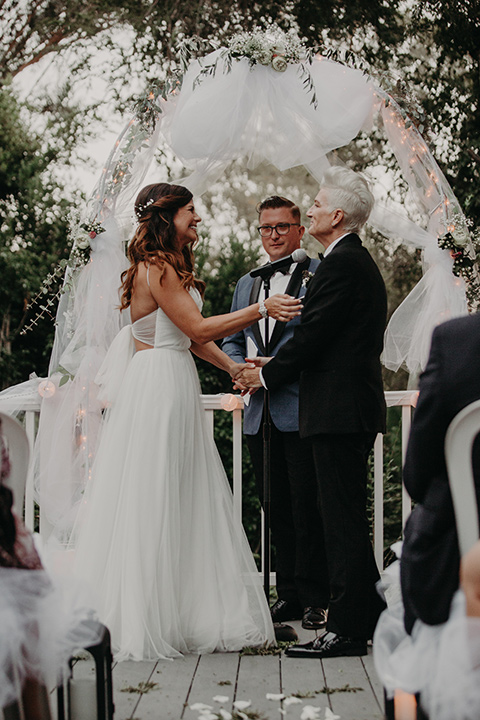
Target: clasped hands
(246, 376)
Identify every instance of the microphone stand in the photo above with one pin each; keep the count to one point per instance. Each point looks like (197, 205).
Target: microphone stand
(282, 632)
(266, 460)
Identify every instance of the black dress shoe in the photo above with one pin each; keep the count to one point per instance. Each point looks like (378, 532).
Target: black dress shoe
(329, 645)
(284, 633)
(283, 610)
(314, 618)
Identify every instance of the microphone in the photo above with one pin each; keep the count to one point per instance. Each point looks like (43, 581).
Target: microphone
(265, 271)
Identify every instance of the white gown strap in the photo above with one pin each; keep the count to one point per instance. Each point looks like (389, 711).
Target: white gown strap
(114, 366)
(148, 274)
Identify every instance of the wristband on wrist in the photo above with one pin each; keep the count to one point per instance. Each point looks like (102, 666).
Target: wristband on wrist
(262, 309)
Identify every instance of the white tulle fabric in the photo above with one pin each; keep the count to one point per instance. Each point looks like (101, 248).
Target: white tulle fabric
(157, 537)
(440, 662)
(261, 115)
(43, 622)
(437, 297)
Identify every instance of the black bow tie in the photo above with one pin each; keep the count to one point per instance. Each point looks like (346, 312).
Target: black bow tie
(283, 270)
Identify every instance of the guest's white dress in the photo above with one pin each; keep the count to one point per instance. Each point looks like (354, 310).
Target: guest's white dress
(158, 540)
(439, 662)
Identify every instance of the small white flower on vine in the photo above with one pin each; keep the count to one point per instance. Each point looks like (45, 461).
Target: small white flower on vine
(84, 243)
(265, 57)
(292, 701)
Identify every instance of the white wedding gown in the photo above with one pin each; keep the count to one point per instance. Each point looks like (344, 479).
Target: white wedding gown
(158, 540)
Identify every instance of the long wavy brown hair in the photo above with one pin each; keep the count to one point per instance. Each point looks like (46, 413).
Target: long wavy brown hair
(154, 241)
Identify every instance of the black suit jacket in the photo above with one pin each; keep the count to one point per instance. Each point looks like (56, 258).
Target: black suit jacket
(430, 555)
(336, 348)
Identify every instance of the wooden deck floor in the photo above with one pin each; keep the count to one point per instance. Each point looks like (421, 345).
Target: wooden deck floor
(348, 687)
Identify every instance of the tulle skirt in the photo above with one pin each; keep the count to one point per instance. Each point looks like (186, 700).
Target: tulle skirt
(42, 624)
(441, 662)
(172, 567)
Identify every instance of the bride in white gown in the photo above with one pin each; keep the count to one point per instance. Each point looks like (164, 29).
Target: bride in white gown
(158, 539)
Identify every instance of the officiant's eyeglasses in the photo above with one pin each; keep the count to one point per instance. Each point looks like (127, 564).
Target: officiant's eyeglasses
(281, 229)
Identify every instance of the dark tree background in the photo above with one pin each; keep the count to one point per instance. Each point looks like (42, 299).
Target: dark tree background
(427, 53)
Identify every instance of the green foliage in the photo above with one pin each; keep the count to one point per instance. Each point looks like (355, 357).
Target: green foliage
(141, 689)
(447, 80)
(372, 28)
(267, 649)
(33, 238)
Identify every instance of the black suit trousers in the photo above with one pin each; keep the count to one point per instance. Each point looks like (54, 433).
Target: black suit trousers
(297, 536)
(342, 470)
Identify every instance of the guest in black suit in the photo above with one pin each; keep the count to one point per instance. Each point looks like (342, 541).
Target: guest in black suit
(429, 567)
(335, 351)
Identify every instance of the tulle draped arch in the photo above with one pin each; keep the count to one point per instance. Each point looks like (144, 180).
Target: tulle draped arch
(237, 110)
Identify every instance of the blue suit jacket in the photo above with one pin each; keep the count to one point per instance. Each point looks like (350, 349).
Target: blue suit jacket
(284, 400)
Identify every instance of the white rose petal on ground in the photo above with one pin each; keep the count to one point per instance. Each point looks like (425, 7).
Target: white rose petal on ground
(310, 712)
(275, 696)
(222, 699)
(242, 704)
(200, 707)
(292, 700)
(329, 715)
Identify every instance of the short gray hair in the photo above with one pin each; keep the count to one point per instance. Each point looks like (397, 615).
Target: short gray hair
(348, 191)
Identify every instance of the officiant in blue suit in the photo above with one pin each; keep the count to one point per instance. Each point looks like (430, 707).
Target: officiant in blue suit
(297, 535)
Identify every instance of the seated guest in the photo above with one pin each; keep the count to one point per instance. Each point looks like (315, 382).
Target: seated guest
(427, 644)
(430, 562)
(41, 624)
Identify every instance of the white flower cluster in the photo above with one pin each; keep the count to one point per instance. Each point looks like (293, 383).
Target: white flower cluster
(241, 709)
(81, 236)
(274, 48)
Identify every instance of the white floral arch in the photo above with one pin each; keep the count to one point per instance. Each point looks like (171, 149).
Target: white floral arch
(228, 107)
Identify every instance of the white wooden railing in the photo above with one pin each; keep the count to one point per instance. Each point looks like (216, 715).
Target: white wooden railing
(234, 404)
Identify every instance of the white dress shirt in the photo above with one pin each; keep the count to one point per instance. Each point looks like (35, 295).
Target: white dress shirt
(278, 284)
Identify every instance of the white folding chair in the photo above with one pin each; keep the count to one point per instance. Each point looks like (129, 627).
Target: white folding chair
(16, 440)
(459, 440)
